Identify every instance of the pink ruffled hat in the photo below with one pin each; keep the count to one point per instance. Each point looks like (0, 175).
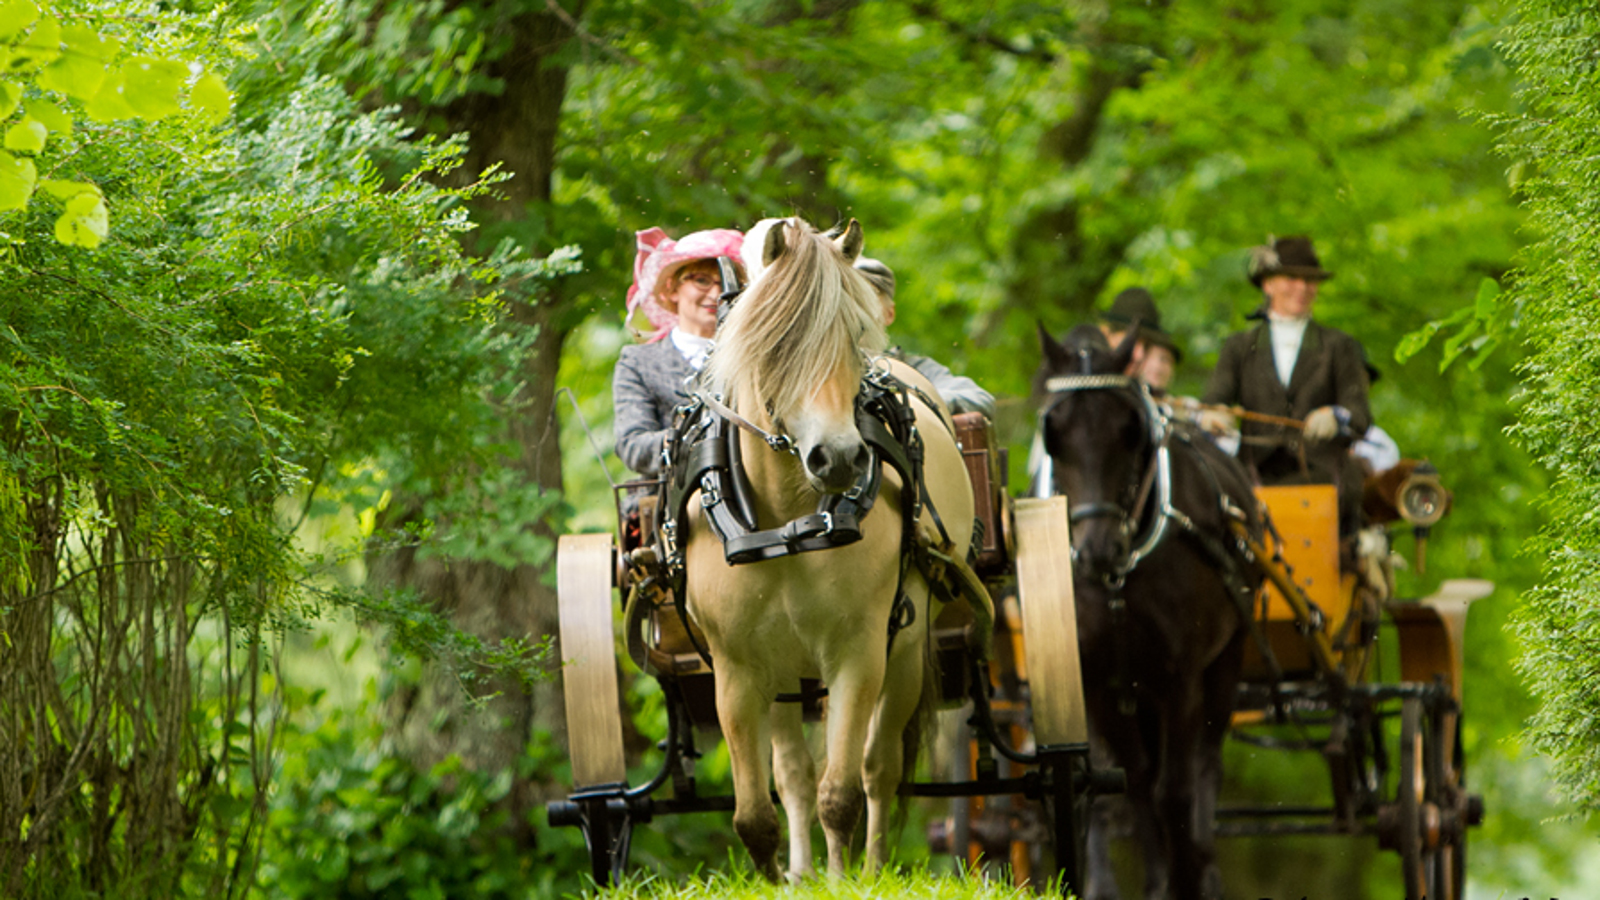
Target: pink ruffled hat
(660, 256)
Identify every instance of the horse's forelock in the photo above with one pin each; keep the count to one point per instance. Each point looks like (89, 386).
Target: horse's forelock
(1088, 341)
(803, 321)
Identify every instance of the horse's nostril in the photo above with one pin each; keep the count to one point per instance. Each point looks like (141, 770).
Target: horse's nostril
(817, 461)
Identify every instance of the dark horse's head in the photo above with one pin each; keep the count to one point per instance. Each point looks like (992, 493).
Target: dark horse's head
(1096, 428)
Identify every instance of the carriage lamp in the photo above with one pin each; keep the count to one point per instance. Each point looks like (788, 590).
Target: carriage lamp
(1422, 498)
(1422, 501)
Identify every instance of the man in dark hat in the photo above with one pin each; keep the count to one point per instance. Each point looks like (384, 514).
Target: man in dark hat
(1156, 354)
(1291, 366)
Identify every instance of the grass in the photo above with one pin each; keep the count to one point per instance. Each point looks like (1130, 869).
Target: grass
(918, 882)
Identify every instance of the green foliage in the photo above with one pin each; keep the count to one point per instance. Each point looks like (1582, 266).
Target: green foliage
(1554, 45)
(128, 62)
(277, 307)
(350, 820)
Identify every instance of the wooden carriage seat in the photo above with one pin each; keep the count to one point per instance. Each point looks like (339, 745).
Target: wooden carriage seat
(986, 466)
(1307, 519)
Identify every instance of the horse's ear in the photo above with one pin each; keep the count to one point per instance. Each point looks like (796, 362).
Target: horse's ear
(1055, 355)
(851, 242)
(777, 242)
(1123, 355)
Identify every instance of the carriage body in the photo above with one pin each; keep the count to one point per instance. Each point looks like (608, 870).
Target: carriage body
(1391, 745)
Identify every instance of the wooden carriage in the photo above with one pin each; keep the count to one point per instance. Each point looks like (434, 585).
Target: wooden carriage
(1029, 739)
(1317, 679)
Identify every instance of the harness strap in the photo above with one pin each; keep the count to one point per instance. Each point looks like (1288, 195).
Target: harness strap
(713, 465)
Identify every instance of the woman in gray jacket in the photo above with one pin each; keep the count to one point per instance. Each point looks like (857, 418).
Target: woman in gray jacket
(677, 285)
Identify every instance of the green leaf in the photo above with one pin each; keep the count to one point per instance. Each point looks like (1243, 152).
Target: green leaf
(1457, 343)
(27, 136)
(81, 68)
(15, 18)
(17, 177)
(9, 95)
(1412, 344)
(66, 190)
(211, 98)
(85, 222)
(152, 86)
(41, 48)
(108, 105)
(51, 115)
(1488, 297)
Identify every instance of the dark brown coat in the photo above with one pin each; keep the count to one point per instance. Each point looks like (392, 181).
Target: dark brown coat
(1328, 372)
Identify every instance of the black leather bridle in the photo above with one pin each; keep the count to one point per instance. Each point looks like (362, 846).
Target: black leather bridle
(1157, 477)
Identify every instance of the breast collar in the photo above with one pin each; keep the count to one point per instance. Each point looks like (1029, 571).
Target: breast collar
(704, 456)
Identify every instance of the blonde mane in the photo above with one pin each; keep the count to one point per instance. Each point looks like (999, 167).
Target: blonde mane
(805, 320)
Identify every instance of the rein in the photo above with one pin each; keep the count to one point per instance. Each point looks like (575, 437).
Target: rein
(782, 443)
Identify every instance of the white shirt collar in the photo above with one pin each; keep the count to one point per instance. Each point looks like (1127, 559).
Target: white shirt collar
(694, 348)
(1287, 334)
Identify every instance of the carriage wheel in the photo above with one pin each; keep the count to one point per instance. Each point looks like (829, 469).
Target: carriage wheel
(584, 578)
(1419, 825)
(1050, 622)
(1055, 678)
(1459, 810)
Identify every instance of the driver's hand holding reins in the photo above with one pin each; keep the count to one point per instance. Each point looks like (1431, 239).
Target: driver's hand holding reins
(1323, 424)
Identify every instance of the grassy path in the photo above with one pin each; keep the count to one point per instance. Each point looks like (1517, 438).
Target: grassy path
(919, 883)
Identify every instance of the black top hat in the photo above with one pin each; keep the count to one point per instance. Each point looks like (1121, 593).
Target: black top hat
(1285, 256)
(1136, 304)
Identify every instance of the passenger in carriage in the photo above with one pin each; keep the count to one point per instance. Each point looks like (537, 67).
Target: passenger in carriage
(1291, 366)
(1156, 355)
(677, 285)
(960, 393)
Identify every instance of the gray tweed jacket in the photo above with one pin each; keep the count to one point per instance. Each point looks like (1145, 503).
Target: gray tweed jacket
(645, 388)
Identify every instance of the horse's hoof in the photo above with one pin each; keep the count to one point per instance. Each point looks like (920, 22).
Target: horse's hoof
(800, 876)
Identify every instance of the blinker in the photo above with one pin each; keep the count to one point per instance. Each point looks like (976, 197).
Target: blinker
(732, 287)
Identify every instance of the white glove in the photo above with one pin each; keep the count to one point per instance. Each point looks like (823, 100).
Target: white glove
(1322, 424)
(1217, 422)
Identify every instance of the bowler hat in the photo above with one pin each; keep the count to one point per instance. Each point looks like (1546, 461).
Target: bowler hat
(1136, 304)
(1285, 256)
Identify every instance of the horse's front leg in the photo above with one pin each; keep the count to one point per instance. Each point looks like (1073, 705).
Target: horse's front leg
(852, 695)
(742, 707)
(1221, 690)
(1177, 795)
(893, 739)
(796, 775)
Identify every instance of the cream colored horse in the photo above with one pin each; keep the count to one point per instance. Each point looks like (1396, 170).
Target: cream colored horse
(791, 356)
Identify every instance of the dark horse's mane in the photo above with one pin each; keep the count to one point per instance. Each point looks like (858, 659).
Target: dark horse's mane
(1162, 614)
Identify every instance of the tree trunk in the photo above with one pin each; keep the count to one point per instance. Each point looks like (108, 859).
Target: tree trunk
(434, 718)
(1057, 264)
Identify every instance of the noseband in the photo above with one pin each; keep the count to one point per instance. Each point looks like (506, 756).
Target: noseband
(1158, 477)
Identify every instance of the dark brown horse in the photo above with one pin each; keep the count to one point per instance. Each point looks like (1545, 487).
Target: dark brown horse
(1163, 598)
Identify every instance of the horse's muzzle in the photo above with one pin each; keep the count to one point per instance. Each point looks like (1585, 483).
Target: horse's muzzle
(835, 467)
(1100, 542)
